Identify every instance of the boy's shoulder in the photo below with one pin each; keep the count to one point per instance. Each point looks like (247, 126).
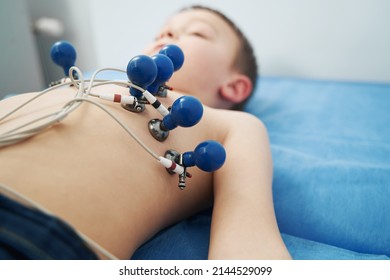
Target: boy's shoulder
(222, 121)
(233, 124)
(234, 117)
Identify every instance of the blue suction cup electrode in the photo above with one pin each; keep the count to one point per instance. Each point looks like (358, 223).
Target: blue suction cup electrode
(63, 54)
(208, 156)
(164, 72)
(141, 71)
(175, 54)
(186, 111)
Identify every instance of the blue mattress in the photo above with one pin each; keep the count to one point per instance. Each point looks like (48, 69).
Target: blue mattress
(330, 143)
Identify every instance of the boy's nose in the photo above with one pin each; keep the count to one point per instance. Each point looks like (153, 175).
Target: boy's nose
(170, 34)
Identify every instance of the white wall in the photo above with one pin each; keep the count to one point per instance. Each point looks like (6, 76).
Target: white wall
(19, 64)
(75, 16)
(334, 39)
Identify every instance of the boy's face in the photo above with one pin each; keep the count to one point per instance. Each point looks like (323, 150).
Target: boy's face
(209, 45)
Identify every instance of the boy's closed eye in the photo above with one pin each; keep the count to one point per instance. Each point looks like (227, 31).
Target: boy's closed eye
(198, 34)
(201, 29)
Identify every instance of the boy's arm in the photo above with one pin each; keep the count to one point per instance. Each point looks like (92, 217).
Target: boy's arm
(243, 223)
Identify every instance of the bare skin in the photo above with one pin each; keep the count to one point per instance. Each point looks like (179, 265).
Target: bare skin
(89, 172)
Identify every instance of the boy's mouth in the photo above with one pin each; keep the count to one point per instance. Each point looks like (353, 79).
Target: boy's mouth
(158, 47)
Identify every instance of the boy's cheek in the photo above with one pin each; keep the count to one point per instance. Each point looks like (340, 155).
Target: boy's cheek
(148, 50)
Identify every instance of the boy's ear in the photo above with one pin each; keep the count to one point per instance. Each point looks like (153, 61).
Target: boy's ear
(236, 89)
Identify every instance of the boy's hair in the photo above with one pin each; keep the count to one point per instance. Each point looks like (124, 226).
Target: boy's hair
(245, 61)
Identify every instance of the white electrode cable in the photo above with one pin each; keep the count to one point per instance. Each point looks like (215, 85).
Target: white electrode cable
(32, 99)
(97, 72)
(123, 125)
(15, 135)
(12, 137)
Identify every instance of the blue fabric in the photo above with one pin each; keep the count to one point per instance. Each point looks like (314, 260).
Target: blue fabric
(330, 143)
(189, 240)
(331, 148)
(29, 234)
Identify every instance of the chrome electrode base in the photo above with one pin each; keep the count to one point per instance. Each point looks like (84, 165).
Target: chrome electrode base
(156, 131)
(163, 91)
(177, 157)
(135, 108)
(55, 83)
(173, 156)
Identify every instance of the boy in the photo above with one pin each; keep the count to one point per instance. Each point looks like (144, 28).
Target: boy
(88, 172)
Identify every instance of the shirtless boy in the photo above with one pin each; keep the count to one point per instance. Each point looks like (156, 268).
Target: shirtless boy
(88, 172)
